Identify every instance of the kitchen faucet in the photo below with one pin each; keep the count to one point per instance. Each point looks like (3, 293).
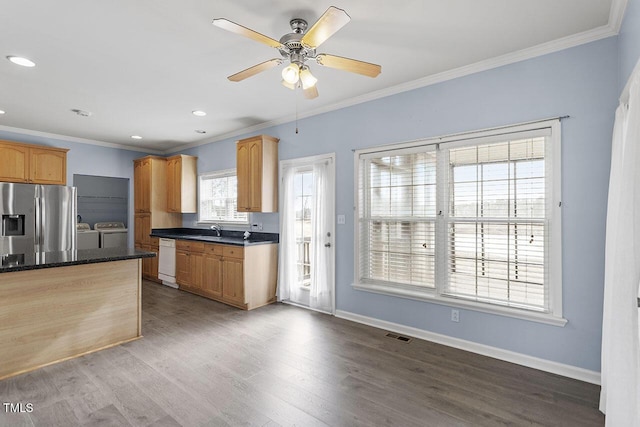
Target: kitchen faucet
(217, 229)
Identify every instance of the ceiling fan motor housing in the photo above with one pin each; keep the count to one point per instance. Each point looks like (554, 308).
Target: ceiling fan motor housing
(293, 47)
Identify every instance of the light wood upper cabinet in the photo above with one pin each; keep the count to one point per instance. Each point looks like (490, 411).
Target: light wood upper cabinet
(32, 163)
(142, 185)
(257, 171)
(14, 162)
(181, 183)
(48, 166)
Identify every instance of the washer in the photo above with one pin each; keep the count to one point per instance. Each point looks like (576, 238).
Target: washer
(112, 234)
(87, 238)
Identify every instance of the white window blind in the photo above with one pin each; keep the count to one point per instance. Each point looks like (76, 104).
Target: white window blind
(496, 226)
(467, 219)
(398, 221)
(217, 194)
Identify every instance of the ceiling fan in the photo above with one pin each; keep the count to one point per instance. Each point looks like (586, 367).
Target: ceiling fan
(299, 46)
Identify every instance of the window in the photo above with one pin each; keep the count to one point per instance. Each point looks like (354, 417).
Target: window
(471, 221)
(303, 194)
(217, 198)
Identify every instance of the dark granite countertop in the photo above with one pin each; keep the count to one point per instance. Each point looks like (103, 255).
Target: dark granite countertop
(228, 237)
(37, 260)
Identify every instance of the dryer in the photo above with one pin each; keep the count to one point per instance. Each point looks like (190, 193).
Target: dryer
(112, 234)
(86, 237)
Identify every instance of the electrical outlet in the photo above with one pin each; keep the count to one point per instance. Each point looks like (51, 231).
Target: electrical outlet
(455, 315)
(341, 219)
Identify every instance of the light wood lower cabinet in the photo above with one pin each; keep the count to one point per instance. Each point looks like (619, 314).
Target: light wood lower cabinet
(233, 280)
(212, 272)
(150, 265)
(244, 277)
(142, 229)
(189, 257)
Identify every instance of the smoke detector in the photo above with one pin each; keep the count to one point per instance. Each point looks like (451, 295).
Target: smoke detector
(82, 113)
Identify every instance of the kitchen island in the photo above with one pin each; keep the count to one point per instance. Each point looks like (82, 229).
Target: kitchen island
(58, 305)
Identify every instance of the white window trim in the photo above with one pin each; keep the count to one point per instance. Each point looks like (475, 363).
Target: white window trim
(554, 316)
(219, 173)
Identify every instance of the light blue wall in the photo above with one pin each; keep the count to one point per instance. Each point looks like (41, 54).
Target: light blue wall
(87, 159)
(580, 82)
(629, 41)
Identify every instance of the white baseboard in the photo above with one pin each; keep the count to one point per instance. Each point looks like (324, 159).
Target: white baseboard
(569, 371)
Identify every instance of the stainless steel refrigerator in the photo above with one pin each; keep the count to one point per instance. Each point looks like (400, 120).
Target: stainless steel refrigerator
(37, 218)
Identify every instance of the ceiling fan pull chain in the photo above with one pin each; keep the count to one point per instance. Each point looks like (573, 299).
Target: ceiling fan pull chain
(295, 94)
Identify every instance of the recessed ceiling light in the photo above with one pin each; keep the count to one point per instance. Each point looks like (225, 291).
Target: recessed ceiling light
(198, 113)
(1, 112)
(200, 131)
(21, 61)
(136, 137)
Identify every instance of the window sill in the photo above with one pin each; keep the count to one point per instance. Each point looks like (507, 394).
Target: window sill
(430, 296)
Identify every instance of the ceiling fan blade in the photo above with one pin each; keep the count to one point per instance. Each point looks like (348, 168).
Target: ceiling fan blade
(327, 25)
(347, 64)
(225, 24)
(311, 92)
(252, 71)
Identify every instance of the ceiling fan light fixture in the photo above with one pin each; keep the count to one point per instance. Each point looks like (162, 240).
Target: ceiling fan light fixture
(308, 80)
(291, 74)
(288, 85)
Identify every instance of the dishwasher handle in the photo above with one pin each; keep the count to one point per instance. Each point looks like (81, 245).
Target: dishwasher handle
(169, 243)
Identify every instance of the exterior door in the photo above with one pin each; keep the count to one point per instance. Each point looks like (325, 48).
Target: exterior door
(307, 252)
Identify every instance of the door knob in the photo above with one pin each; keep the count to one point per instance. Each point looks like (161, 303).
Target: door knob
(327, 245)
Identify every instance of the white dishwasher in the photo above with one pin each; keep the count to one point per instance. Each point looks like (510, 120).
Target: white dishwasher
(167, 262)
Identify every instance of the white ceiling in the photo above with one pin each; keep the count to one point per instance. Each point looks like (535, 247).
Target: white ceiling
(140, 67)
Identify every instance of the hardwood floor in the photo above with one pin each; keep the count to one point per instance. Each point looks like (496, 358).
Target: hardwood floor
(204, 363)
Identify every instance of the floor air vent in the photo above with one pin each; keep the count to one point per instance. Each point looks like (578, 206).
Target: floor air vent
(398, 337)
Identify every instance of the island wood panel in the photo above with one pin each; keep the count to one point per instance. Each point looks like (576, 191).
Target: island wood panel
(53, 314)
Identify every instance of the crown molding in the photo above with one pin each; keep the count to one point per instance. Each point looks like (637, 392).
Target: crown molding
(574, 40)
(616, 14)
(78, 140)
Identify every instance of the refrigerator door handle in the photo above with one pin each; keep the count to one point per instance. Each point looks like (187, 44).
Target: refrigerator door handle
(36, 234)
